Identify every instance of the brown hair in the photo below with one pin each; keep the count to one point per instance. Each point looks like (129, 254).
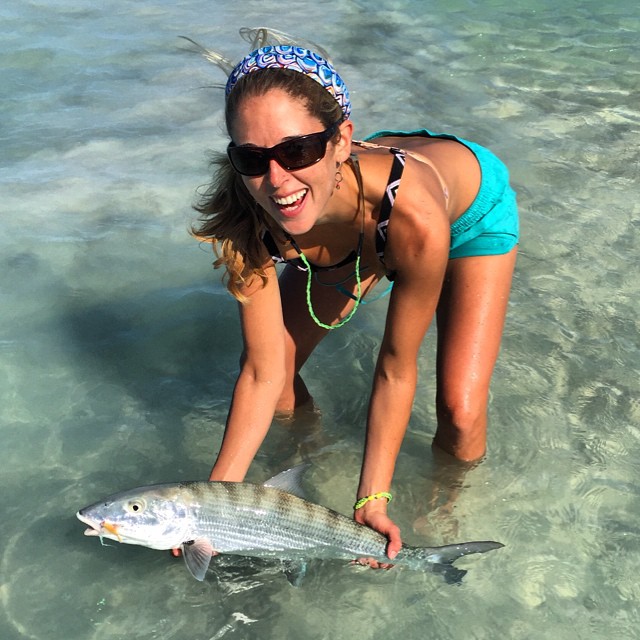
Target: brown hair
(229, 217)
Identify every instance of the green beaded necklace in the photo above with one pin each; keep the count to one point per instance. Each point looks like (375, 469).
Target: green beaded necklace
(355, 167)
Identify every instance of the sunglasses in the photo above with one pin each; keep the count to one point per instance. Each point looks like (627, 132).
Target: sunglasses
(297, 153)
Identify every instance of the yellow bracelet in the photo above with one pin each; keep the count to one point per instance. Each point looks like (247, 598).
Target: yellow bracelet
(375, 496)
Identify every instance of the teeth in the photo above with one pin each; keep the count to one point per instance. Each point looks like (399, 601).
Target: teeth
(288, 200)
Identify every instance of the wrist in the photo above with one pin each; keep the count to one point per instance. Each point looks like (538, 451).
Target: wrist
(223, 472)
(373, 500)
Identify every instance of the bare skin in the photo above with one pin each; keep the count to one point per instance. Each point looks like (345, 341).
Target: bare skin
(467, 295)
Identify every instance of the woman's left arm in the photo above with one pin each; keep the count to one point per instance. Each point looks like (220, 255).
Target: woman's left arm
(417, 250)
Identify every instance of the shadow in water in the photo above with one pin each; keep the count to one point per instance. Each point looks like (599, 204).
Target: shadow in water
(155, 358)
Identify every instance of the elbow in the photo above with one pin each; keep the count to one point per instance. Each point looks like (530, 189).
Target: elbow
(267, 374)
(274, 380)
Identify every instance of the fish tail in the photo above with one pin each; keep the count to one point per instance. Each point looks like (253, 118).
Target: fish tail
(440, 559)
(451, 552)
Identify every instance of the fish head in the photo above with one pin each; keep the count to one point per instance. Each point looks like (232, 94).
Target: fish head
(158, 517)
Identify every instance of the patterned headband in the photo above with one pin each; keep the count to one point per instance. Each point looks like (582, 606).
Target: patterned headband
(285, 56)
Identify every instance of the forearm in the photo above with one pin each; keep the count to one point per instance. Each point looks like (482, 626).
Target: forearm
(389, 413)
(248, 422)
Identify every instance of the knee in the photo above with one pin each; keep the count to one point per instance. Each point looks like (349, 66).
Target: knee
(463, 417)
(462, 427)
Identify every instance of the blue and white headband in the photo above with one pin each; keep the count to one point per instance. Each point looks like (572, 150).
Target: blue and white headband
(284, 56)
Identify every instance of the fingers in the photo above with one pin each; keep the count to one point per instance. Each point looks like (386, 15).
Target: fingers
(395, 541)
(177, 553)
(384, 525)
(372, 563)
(380, 522)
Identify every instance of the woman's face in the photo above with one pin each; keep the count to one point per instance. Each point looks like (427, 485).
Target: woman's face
(296, 199)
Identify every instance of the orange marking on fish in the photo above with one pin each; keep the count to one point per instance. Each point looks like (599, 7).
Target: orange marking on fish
(111, 528)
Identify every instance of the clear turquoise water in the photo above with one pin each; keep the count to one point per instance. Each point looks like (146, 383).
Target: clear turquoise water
(118, 345)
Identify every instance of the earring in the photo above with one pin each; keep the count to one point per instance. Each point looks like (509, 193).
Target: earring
(339, 176)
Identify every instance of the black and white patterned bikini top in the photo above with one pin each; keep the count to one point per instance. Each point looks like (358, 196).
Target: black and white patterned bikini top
(386, 206)
(388, 200)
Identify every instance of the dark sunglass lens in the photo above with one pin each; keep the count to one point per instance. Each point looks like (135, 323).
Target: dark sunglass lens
(300, 153)
(297, 153)
(247, 161)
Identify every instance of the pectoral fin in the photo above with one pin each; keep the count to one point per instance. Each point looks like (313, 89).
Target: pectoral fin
(295, 570)
(197, 556)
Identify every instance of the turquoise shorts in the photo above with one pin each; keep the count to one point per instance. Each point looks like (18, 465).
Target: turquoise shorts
(490, 225)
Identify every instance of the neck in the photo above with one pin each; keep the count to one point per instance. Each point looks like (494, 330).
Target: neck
(347, 201)
(346, 208)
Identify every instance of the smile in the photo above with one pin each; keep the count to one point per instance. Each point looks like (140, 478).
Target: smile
(287, 201)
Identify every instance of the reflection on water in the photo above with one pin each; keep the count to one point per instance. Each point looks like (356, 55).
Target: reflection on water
(119, 347)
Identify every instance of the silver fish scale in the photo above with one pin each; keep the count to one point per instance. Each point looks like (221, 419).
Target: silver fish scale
(237, 517)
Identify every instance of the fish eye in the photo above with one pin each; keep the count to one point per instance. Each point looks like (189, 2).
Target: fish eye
(135, 506)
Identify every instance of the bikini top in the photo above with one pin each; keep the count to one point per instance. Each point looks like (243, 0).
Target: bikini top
(386, 206)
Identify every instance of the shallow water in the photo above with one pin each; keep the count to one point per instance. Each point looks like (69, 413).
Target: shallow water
(118, 344)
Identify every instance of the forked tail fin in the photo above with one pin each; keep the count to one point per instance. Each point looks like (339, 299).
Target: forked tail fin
(451, 552)
(440, 559)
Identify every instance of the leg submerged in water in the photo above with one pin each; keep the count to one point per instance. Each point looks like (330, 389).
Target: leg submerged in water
(470, 319)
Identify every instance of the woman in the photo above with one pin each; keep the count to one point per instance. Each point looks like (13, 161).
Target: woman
(432, 213)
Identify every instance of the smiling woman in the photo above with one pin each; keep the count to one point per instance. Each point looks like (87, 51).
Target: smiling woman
(431, 212)
(295, 197)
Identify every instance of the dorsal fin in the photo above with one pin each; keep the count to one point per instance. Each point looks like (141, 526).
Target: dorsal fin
(289, 480)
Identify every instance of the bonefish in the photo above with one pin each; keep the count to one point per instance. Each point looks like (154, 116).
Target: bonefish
(205, 518)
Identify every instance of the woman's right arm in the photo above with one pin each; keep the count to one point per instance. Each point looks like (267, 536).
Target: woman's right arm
(261, 380)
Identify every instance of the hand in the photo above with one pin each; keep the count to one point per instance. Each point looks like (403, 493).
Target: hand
(375, 518)
(177, 552)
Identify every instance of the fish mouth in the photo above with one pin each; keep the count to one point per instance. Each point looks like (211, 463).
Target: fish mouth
(93, 529)
(102, 529)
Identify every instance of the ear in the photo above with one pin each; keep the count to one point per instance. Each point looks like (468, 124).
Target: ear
(343, 146)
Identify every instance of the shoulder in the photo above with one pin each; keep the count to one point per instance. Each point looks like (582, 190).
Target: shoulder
(418, 172)
(452, 160)
(252, 281)
(260, 307)
(410, 173)
(419, 227)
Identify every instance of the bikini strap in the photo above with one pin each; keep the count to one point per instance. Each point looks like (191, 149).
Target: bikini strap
(389, 199)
